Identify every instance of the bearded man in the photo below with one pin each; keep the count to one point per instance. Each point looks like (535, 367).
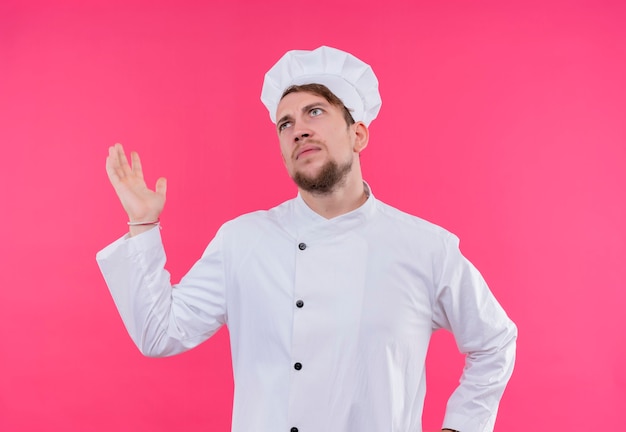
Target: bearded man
(330, 298)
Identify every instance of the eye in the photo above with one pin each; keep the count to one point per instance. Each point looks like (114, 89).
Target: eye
(283, 125)
(315, 112)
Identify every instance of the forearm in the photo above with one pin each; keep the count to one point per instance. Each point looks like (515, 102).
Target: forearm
(140, 286)
(474, 404)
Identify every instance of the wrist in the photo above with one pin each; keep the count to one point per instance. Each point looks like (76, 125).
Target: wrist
(140, 223)
(138, 227)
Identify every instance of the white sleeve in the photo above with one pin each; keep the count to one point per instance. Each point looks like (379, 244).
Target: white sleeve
(484, 333)
(163, 319)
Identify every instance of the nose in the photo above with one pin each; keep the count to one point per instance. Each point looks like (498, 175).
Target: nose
(301, 135)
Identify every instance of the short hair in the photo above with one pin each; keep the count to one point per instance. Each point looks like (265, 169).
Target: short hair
(323, 91)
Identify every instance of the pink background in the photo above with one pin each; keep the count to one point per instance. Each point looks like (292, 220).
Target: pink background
(502, 121)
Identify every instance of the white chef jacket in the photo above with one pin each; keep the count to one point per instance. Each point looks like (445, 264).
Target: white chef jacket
(329, 320)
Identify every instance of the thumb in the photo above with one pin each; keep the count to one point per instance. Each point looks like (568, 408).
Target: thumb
(161, 186)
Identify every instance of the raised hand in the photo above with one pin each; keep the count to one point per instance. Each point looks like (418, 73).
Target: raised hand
(141, 203)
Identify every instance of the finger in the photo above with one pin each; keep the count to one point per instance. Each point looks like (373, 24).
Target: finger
(136, 168)
(123, 168)
(112, 164)
(161, 186)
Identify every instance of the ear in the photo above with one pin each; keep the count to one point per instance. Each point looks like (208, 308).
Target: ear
(362, 135)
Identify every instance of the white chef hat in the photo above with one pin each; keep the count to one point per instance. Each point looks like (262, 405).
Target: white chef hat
(346, 76)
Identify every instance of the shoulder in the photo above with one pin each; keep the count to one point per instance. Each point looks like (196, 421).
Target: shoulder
(406, 224)
(254, 223)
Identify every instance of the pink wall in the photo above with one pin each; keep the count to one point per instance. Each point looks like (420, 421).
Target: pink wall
(503, 123)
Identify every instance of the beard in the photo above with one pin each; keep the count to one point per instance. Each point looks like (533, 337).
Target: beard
(327, 179)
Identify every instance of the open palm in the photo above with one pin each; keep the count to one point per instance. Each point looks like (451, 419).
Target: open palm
(140, 202)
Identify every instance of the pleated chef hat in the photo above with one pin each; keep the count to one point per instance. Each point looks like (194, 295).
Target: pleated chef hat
(346, 76)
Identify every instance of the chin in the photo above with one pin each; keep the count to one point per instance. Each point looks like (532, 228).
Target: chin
(311, 170)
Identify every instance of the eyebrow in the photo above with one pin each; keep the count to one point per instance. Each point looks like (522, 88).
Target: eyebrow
(306, 108)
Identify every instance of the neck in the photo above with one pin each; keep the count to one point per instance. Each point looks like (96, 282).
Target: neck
(345, 198)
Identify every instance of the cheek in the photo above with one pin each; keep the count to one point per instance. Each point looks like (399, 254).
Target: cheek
(285, 163)
(284, 154)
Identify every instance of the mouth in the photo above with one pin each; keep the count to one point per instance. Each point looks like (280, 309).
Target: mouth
(306, 152)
